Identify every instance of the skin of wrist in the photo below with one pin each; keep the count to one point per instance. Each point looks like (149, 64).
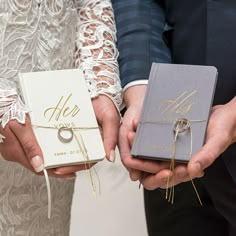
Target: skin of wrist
(134, 95)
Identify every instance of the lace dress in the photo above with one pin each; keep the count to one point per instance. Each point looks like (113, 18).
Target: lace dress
(40, 35)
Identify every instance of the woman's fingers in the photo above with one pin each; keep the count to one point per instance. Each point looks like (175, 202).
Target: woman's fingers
(25, 136)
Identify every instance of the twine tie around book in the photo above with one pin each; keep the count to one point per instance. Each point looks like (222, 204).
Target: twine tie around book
(79, 139)
(180, 125)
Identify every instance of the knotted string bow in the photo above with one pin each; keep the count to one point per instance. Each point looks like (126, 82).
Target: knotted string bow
(181, 125)
(82, 148)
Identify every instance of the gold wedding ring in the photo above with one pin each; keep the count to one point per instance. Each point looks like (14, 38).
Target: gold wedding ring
(65, 135)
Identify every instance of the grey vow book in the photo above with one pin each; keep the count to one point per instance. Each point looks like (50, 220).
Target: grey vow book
(175, 112)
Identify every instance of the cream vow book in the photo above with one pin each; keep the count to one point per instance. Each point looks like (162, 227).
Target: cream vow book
(62, 117)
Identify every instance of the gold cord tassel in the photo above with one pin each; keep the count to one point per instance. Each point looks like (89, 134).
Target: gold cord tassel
(181, 125)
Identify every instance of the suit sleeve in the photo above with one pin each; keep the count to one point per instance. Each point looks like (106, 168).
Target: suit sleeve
(140, 25)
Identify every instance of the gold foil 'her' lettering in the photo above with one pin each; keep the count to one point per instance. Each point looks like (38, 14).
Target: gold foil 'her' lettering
(62, 109)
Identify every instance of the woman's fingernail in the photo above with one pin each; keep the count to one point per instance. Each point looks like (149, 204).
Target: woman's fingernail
(112, 157)
(37, 163)
(197, 167)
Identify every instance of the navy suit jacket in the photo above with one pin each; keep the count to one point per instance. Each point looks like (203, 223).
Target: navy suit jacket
(139, 45)
(202, 32)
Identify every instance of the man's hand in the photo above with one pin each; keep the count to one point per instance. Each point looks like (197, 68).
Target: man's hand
(157, 174)
(133, 98)
(221, 133)
(138, 169)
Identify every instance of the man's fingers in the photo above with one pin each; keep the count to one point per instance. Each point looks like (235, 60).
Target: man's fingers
(146, 165)
(131, 136)
(29, 144)
(135, 174)
(124, 146)
(135, 124)
(207, 155)
(158, 180)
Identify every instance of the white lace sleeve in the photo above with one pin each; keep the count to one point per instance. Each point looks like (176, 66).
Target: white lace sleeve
(11, 106)
(96, 51)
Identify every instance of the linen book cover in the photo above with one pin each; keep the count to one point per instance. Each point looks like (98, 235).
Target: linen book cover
(175, 112)
(62, 117)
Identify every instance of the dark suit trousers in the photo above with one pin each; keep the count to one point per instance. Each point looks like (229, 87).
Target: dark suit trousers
(186, 216)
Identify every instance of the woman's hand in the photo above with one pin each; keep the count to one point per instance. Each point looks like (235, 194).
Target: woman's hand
(109, 122)
(20, 145)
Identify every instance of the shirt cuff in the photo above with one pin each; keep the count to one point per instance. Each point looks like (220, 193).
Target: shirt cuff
(136, 82)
